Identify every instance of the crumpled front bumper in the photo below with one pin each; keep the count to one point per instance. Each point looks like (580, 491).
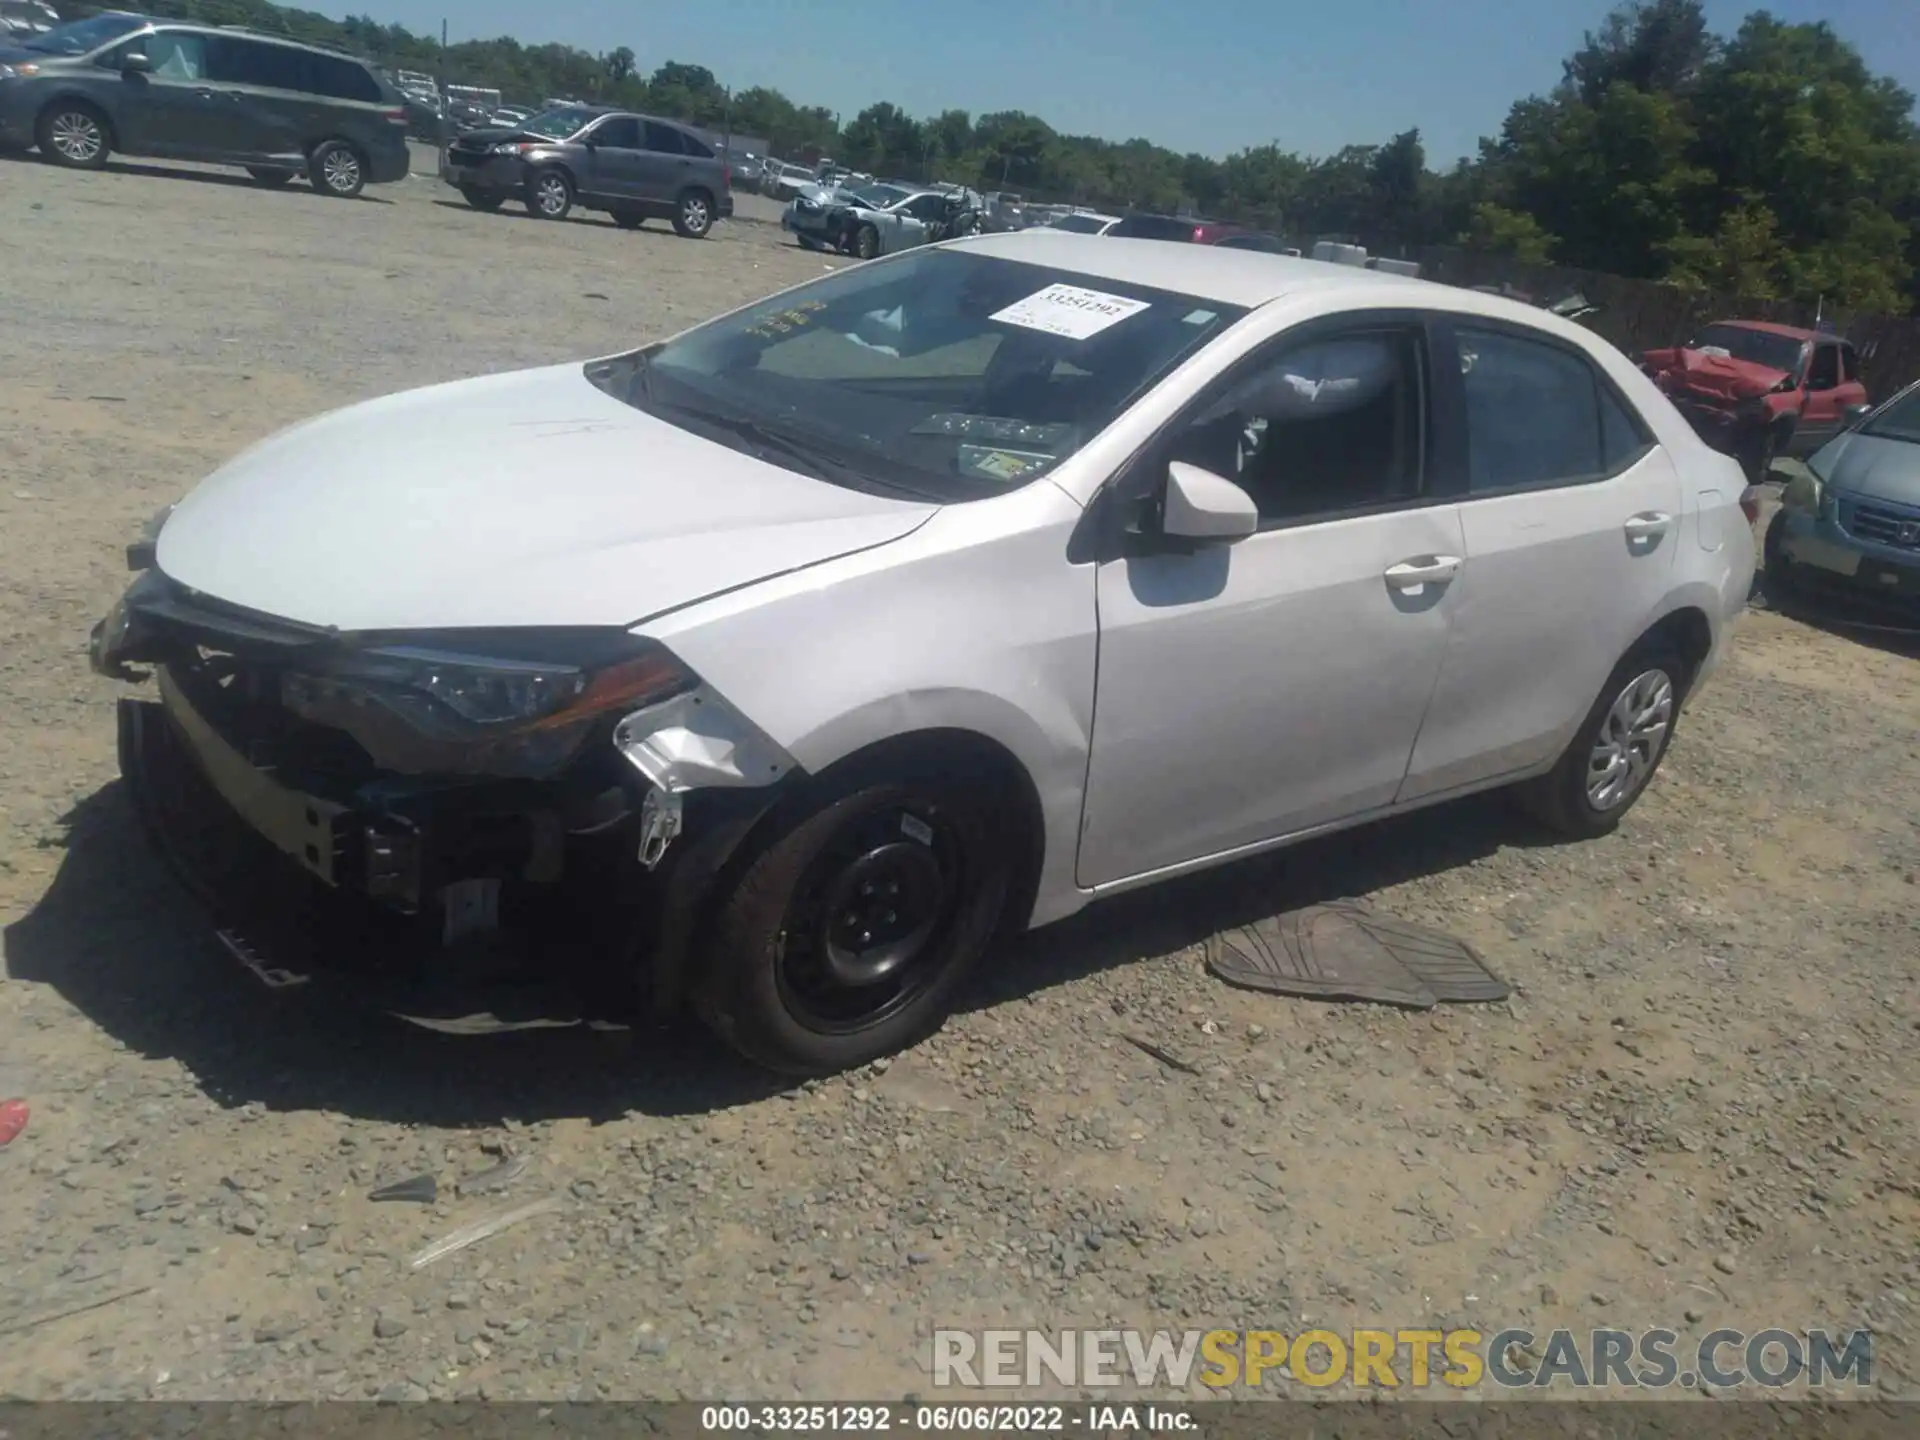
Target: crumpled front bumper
(1824, 555)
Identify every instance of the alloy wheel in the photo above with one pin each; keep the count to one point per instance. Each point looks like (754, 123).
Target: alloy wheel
(77, 136)
(1630, 740)
(341, 170)
(693, 214)
(552, 195)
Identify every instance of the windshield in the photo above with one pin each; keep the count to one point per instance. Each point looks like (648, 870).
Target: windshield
(559, 123)
(84, 36)
(879, 197)
(1755, 347)
(944, 374)
(1900, 420)
(1081, 224)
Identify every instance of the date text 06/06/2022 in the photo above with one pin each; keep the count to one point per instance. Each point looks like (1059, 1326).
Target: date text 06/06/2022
(947, 1419)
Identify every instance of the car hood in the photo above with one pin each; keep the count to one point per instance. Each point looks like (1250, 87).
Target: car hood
(1709, 374)
(1872, 467)
(529, 498)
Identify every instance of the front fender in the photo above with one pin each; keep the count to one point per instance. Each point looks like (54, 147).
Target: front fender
(975, 622)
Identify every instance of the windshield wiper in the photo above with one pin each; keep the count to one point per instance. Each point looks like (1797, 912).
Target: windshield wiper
(763, 444)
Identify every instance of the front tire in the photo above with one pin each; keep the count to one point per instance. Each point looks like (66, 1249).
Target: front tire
(73, 134)
(1776, 569)
(487, 200)
(852, 928)
(549, 195)
(866, 243)
(693, 215)
(337, 170)
(1617, 749)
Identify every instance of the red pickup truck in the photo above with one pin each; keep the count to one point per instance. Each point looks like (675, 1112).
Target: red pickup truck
(1756, 390)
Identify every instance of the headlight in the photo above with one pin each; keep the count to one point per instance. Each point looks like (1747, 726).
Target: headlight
(1802, 492)
(10, 72)
(422, 709)
(510, 147)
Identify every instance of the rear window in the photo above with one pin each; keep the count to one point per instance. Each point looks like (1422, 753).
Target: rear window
(1153, 227)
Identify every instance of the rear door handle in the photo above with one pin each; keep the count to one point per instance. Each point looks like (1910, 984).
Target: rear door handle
(1648, 525)
(1423, 570)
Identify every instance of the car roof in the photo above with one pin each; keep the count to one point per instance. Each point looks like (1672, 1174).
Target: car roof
(1768, 327)
(1246, 278)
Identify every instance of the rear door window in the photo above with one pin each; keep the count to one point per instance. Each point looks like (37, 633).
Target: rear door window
(622, 132)
(340, 78)
(234, 61)
(1535, 416)
(663, 139)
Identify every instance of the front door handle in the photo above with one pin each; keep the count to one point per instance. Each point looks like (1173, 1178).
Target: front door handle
(1648, 525)
(1423, 570)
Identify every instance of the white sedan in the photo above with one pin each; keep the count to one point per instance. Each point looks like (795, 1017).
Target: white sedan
(788, 664)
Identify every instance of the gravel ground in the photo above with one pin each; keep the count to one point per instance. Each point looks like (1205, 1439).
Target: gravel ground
(1698, 1110)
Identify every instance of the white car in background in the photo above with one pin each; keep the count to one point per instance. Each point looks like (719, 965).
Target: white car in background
(787, 664)
(1082, 222)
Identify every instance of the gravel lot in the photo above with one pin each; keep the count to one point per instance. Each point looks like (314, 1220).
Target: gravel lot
(1699, 1109)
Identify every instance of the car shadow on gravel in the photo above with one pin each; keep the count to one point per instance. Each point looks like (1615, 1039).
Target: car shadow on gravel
(1178, 914)
(1878, 627)
(228, 178)
(118, 938)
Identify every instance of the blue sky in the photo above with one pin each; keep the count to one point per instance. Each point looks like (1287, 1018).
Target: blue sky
(1206, 75)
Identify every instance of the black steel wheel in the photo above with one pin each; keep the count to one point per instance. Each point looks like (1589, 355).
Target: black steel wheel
(849, 931)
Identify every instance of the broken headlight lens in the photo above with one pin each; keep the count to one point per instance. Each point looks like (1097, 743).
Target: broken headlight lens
(421, 708)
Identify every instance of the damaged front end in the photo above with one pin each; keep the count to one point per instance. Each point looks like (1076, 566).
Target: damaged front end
(367, 801)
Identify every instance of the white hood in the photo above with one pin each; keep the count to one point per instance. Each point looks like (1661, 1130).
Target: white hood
(530, 498)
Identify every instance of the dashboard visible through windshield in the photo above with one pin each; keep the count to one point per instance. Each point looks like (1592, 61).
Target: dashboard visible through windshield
(947, 375)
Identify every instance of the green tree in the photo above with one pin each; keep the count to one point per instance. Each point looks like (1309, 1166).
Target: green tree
(619, 65)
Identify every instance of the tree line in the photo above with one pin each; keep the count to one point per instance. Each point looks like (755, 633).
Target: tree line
(1771, 163)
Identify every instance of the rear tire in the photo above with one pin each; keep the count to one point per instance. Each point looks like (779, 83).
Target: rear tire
(854, 923)
(73, 134)
(549, 195)
(268, 176)
(337, 170)
(1619, 746)
(693, 215)
(487, 200)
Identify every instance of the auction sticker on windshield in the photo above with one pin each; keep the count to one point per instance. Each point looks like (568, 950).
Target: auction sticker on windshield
(1069, 310)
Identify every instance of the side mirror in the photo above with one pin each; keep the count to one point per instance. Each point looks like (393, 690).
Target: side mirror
(1201, 505)
(136, 64)
(1854, 414)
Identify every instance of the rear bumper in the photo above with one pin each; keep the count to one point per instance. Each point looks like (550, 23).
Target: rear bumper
(385, 167)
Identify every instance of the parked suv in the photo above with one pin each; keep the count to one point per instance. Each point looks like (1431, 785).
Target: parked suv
(210, 93)
(634, 167)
